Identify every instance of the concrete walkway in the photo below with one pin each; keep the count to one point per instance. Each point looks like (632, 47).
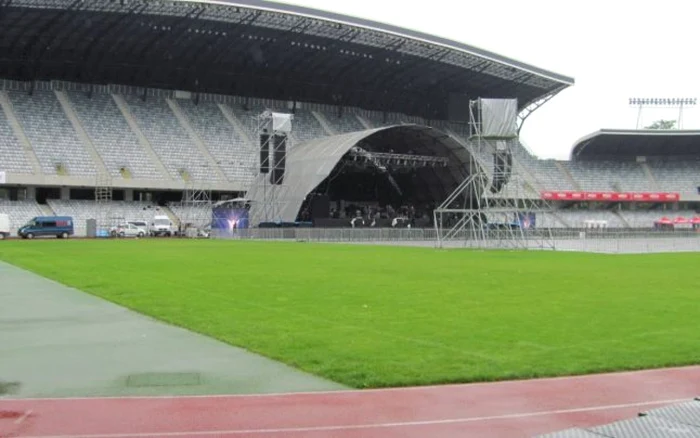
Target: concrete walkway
(56, 341)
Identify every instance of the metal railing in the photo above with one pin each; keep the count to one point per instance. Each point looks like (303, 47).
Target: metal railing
(603, 241)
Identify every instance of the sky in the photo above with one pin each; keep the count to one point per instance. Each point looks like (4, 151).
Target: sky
(614, 49)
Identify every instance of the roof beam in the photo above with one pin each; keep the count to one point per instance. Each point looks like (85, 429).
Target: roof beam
(180, 25)
(46, 30)
(124, 28)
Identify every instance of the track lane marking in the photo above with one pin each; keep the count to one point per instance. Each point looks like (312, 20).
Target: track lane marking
(365, 426)
(24, 416)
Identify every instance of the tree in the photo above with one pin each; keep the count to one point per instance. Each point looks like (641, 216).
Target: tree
(662, 124)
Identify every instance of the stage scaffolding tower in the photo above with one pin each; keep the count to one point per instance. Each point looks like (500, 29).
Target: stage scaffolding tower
(104, 219)
(275, 140)
(195, 209)
(495, 206)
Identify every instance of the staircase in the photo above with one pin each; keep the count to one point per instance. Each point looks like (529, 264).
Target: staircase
(68, 109)
(622, 218)
(143, 141)
(173, 218)
(46, 210)
(650, 176)
(567, 174)
(324, 123)
(203, 150)
(561, 220)
(529, 178)
(237, 125)
(6, 105)
(364, 122)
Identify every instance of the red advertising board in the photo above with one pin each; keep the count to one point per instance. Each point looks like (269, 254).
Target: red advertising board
(610, 196)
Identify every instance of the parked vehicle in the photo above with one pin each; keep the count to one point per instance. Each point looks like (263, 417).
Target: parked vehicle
(59, 226)
(141, 225)
(162, 226)
(127, 230)
(4, 226)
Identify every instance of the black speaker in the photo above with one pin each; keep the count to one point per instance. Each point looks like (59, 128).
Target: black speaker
(280, 159)
(264, 153)
(502, 169)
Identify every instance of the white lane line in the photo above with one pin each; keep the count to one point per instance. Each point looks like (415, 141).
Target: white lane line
(24, 416)
(363, 426)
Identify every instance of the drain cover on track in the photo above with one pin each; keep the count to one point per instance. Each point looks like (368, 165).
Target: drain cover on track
(163, 379)
(9, 388)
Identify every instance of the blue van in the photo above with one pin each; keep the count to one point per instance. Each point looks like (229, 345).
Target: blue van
(59, 226)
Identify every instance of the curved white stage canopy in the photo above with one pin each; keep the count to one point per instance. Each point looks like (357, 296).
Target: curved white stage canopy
(310, 163)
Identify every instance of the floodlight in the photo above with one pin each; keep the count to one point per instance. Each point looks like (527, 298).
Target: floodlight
(665, 101)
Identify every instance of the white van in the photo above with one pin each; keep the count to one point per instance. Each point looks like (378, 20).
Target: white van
(162, 226)
(4, 226)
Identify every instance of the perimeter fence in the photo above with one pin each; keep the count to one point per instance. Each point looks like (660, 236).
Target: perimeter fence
(601, 241)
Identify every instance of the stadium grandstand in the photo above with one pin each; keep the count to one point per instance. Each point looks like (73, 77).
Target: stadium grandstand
(157, 99)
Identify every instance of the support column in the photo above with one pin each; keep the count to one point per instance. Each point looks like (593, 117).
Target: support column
(65, 193)
(128, 195)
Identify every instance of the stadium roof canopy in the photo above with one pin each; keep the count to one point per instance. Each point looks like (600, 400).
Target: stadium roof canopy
(256, 48)
(608, 143)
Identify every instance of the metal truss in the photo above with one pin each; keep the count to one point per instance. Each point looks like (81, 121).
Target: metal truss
(359, 157)
(273, 156)
(195, 208)
(491, 208)
(103, 204)
(534, 106)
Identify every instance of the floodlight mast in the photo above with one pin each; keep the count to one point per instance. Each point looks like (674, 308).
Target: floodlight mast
(678, 103)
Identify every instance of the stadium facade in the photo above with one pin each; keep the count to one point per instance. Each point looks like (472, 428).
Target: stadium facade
(154, 99)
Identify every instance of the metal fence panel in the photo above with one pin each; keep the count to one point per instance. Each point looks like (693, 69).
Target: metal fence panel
(601, 241)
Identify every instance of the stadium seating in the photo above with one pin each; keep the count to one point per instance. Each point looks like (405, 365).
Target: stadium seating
(186, 214)
(681, 176)
(549, 175)
(578, 218)
(347, 123)
(20, 212)
(53, 138)
(235, 158)
(306, 127)
(169, 140)
(118, 211)
(609, 176)
(13, 157)
(248, 120)
(113, 138)
(645, 219)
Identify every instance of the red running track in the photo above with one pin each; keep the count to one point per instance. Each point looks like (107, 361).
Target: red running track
(506, 409)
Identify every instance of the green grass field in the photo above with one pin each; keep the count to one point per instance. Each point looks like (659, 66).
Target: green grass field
(380, 316)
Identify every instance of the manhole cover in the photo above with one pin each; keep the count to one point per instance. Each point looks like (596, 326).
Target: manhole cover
(9, 388)
(163, 379)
